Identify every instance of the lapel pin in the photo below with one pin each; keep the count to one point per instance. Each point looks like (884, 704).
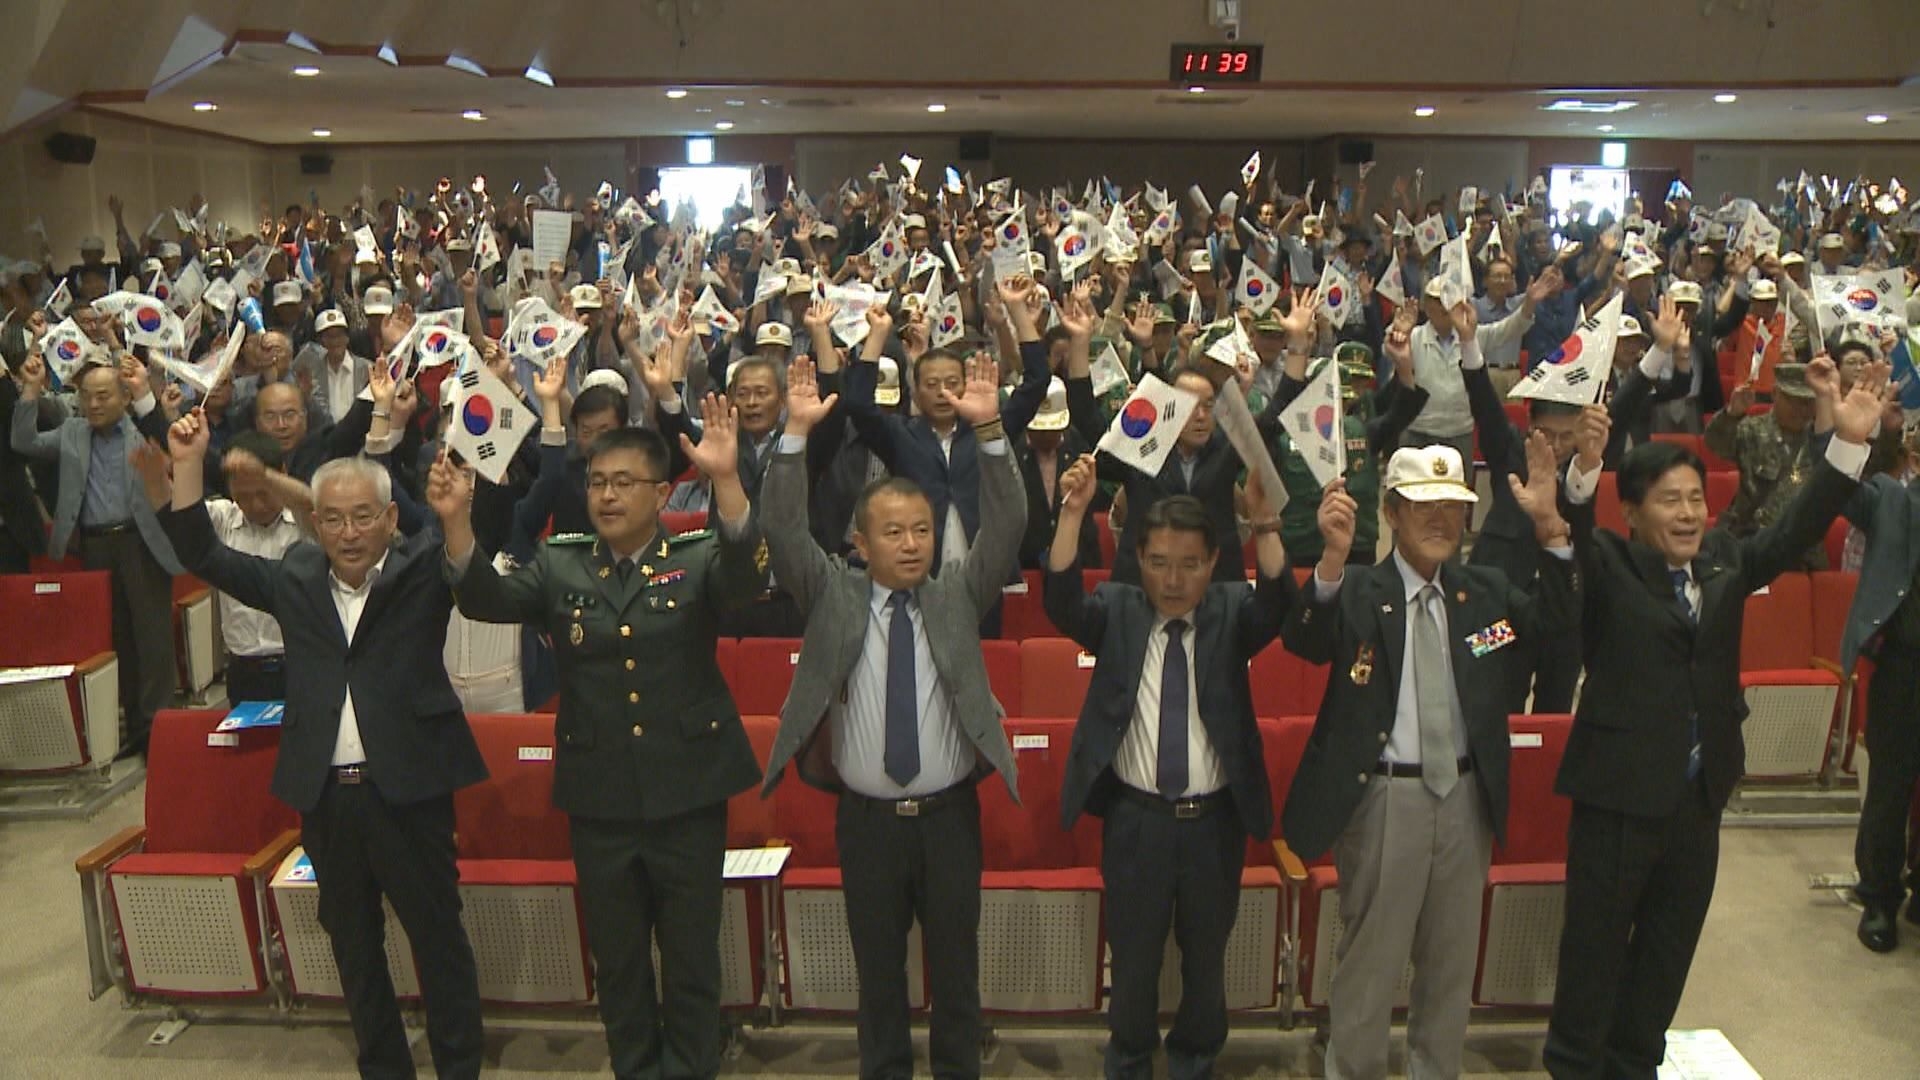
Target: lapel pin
(576, 635)
(1460, 596)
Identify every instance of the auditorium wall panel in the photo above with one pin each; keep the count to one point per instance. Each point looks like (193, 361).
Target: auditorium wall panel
(1753, 169)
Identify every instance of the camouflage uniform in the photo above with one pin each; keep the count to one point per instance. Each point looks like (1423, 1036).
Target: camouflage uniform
(1773, 464)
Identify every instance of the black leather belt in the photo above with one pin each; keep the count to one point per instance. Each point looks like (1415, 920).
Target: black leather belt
(1412, 772)
(349, 774)
(114, 529)
(919, 806)
(269, 663)
(1182, 809)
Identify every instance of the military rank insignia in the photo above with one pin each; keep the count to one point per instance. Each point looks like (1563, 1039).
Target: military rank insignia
(1497, 636)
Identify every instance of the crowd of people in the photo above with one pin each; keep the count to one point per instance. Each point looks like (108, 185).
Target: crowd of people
(880, 406)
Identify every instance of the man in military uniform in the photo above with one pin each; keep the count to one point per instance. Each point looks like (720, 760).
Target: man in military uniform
(650, 745)
(1774, 452)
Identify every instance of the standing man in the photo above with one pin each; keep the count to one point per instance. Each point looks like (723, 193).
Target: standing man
(890, 709)
(1417, 712)
(373, 745)
(102, 500)
(1656, 746)
(650, 742)
(1168, 753)
(1437, 348)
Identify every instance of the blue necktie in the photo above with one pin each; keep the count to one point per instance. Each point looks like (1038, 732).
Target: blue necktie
(902, 754)
(1172, 771)
(1680, 582)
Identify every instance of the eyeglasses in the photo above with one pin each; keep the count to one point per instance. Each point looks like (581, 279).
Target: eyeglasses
(334, 522)
(621, 483)
(283, 418)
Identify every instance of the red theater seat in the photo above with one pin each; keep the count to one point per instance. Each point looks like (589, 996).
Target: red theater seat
(1790, 701)
(1054, 675)
(1285, 685)
(1832, 599)
(1022, 611)
(1003, 674)
(1526, 886)
(59, 722)
(676, 522)
(762, 672)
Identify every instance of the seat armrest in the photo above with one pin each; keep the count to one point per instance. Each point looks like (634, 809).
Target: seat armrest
(93, 663)
(1823, 664)
(112, 849)
(268, 858)
(194, 597)
(1291, 867)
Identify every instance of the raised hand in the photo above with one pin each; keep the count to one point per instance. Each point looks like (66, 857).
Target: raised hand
(405, 401)
(1337, 517)
(1823, 377)
(1077, 313)
(1466, 319)
(805, 407)
(980, 401)
(1299, 319)
(550, 384)
(717, 454)
(1590, 444)
(820, 314)
(449, 487)
(1740, 402)
(1018, 289)
(156, 476)
(1668, 325)
(380, 384)
(1537, 496)
(879, 321)
(33, 376)
(1545, 285)
(1259, 507)
(238, 462)
(133, 376)
(187, 439)
(1078, 485)
(1857, 414)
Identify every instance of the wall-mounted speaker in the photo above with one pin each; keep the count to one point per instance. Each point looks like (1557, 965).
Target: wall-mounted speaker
(70, 149)
(316, 164)
(976, 147)
(1355, 151)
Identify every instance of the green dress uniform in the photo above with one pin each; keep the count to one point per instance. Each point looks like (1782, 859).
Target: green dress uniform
(650, 747)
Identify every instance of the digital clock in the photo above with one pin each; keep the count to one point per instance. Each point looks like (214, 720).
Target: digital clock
(1198, 65)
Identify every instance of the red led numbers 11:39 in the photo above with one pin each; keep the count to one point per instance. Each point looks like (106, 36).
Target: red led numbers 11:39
(1201, 64)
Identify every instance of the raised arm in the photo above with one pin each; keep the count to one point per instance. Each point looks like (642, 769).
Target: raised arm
(1003, 496)
(1026, 398)
(794, 556)
(1075, 613)
(246, 578)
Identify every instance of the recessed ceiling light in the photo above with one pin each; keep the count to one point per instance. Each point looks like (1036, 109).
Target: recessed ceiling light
(1605, 128)
(1196, 89)
(676, 93)
(473, 114)
(1876, 118)
(1581, 106)
(724, 125)
(936, 107)
(306, 71)
(322, 133)
(1423, 110)
(204, 106)
(1725, 99)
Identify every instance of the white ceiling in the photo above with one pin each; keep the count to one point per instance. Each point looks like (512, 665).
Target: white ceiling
(363, 99)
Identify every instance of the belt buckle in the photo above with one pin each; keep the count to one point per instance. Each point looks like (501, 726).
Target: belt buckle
(906, 808)
(347, 774)
(1186, 809)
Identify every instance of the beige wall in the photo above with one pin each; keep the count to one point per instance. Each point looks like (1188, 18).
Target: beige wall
(150, 168)
(579, 165)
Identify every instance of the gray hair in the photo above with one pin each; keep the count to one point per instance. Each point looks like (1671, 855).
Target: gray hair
(355, 468)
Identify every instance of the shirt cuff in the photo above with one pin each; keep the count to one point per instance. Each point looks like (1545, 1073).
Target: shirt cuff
(1324, 591)
(382, 445)
(1471, 359)
(553, 436)
(1657, 364)
(1582, 486)
(994, 447)
(790, 444)
(1849, 458)
(1564, 552)
(672, 405)
(144, 404)
(734, 530)
(458, 567)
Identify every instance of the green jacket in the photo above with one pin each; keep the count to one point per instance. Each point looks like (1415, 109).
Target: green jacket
(1299, 519)
(647, 727)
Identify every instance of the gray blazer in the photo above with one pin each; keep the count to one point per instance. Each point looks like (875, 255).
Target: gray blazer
(836, 598)
(1888, 511)
(314, 362)
(69, 443)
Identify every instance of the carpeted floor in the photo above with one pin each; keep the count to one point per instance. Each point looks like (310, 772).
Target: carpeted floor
(1778, 971)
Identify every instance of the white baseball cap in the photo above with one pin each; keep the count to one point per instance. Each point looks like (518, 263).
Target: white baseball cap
(169, 250)
(773, 333)
(1764, 290)
(1685, 292)
(1053, 414)
(1429, 474)
(1630, 327)
(378, 301)
(607, 377)
(328, 320)
(459, 243)
(887, 390)
(1830, 242)
(585, 297)
(287, 292)
(93, 243)
(1199, 261)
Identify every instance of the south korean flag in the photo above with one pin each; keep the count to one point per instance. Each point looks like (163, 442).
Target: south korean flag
(1147, 426)
(1576, 372)
(489, 421)
(1256, 289)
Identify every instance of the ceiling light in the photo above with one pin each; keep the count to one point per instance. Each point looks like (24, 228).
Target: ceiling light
(538, 75)
(204, 106)
(1577, 105)
(306, 71)
(676, 93)
(1423, 110)
(736, 103)
(322, 133)
(1725, 99)
(724, 125)
(1605, 129)
(936, 107)
(1196, 89)
(473, 114)
(1876, 118)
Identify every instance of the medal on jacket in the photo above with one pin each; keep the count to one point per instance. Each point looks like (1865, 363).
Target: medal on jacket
(1361, 673)
(576, 635)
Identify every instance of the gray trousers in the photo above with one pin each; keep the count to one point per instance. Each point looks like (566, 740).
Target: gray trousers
(1413, 869)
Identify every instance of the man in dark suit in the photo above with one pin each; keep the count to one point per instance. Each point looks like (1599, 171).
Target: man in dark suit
(373, 745)
(1167, 751)
(1405, 776)
(650, 742)
(890, 709)
(1549, 670)
(22, 525)
(1656, 747)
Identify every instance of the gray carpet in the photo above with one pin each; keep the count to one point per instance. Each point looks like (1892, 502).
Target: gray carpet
(1778, 971)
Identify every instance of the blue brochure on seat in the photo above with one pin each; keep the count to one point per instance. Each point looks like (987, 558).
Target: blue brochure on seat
(253, 714)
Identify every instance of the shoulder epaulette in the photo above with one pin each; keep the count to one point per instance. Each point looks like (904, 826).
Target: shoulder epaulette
(570, 538)
(696, 534)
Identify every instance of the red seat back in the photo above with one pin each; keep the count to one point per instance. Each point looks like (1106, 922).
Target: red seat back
(1517, 413)
(1027, 836)
(1285, 741)
(1285, 685)
(1023, 614)
(1536, 817)
(1054, 674)
(1093, 579)
(1778, 635)
(510, 814)
(763, 670)
(1003, 674)
(1832, 599)
(1607, 512)
(676, 522)
(1835, 544)
(1721, 488)
(804, 816)
(211, 800)
(62, 618)
(750, 820)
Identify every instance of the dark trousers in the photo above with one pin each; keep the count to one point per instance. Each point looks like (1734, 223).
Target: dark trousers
(1637, 894)
(1893, 747)
(896, 870)
(1178, 875)
(142, 627)
(363, 847)
(256, 678)
(14, 559)
(642, 880)
(1549, 669)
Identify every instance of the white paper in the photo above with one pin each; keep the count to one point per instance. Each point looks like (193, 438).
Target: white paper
(12, 676)
(754, 863)
(552, 229)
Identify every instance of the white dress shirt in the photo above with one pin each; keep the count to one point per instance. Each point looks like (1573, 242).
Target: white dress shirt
(1137, 762)
(860, 716)
(246, 631)
(350, 602)
(341, 387)
(953, 538)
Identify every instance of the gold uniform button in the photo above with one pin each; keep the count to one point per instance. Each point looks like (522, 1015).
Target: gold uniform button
(1383, 737)
(633, 698)
(638, 730)
(713, 725)
(626, 631)
(1363, 778)
(629, 664)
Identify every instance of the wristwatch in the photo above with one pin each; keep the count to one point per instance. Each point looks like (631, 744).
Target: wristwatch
(1261, 528)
